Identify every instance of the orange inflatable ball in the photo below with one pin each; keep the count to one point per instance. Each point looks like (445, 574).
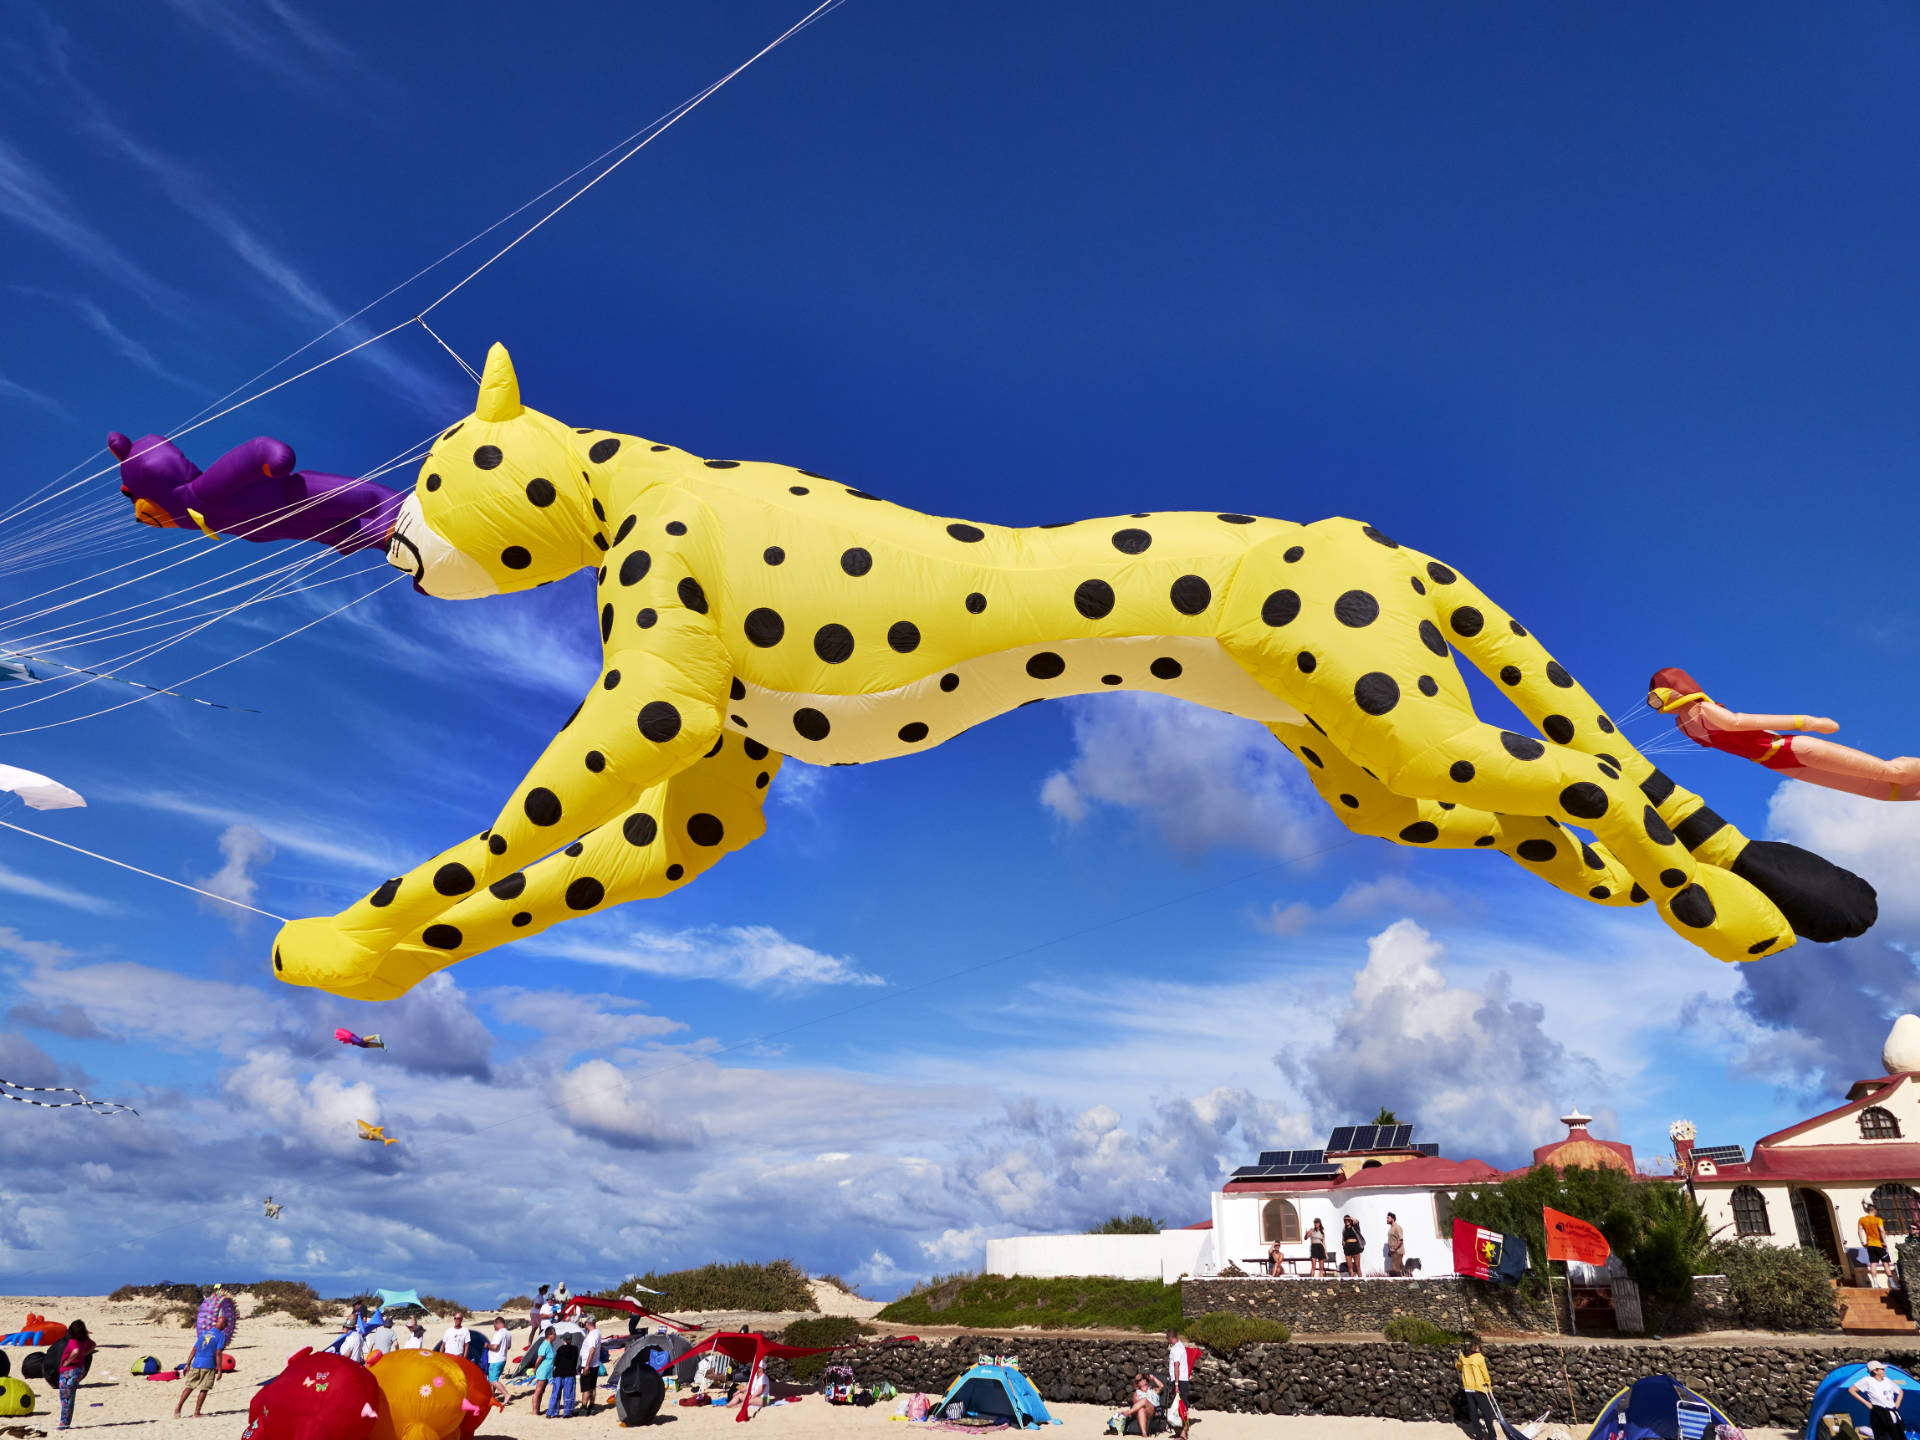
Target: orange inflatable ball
(426, 1395)
(479, 1391)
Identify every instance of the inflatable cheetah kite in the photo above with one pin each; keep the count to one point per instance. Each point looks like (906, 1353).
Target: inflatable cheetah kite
(749, 611)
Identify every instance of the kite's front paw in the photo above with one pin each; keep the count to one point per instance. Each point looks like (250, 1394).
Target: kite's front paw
(316, 952)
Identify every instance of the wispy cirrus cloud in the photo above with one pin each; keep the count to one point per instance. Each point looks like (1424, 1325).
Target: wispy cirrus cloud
(754, 957)
(34, 888)
(14, 390)
(104, 325)
(32, 201)
(306, 836)
(295, 47)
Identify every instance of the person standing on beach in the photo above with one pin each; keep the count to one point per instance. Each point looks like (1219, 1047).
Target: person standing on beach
(202, 1370)
(590, 1345)
(1882, 1398)
(458, 1337)
(566, 1371)
(1396, 1246)
(73, 1364)
(499, 1347)
(1482, 1420)
(1179, 1373)
(542, 1367)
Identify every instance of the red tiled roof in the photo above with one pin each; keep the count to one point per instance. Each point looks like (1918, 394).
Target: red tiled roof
(1821, 1164)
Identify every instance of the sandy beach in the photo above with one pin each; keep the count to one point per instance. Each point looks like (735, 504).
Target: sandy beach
(114, 1398)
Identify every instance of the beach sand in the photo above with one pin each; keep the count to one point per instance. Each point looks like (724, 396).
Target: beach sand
(113, 1398)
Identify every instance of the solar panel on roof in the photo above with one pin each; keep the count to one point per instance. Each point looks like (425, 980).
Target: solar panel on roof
(1721, 1154)
(1245, 1172)
(1428, 1147)
(1341, 1140)
(1400, 1138)
(1366, 1137)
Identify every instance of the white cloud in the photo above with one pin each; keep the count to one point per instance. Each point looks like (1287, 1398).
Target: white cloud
(1201, 780)
(1477, 1066)
(600, 1100)
(14, 883)
(14, 390)
(311, 837)
(242, 848)
(754, 957)
(322, 1110)
(1362, 900)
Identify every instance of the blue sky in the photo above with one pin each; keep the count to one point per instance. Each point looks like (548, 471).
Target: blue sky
(1611, 310)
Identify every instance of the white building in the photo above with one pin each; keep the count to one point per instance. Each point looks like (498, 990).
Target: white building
(1809, 1183)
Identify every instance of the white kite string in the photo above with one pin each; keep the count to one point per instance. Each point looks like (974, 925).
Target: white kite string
(245, 655)
(163, 879)
(676, 115)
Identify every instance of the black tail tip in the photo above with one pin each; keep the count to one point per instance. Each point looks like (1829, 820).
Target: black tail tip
(1820, 900)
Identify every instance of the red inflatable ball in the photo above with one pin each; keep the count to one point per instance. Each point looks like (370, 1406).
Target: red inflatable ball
(317, 1397)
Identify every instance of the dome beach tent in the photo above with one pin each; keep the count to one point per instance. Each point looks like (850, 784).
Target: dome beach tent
(1832, 1399)
(1658, 1407)
(996, 1390)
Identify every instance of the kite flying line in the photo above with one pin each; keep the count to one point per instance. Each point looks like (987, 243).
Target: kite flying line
(96, 855)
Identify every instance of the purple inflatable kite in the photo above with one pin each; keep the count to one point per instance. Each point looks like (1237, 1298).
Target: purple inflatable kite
(252, 492)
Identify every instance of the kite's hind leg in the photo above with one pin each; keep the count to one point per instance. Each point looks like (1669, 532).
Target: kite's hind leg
(674, 832)
(1818, 899)
(1539, 846)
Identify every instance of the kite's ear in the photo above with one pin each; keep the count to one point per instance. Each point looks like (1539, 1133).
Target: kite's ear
(119, 444)
(499, 388)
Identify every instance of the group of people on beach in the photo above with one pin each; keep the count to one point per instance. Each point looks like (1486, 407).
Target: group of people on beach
(564, 1364)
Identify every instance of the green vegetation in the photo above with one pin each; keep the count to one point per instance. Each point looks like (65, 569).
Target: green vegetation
(1386, 1117)
(1418, 1330)
(293, 1298)
(842, 1286)
(773, 1286)
(1656, 1229)
(1777, 1288)
(165, 1291)
(1127, 1225)
(1224, 1334)
(1070, 1303)
(819, 1330)
(441, 1308)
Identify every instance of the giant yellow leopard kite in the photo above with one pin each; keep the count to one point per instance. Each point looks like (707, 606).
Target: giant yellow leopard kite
(749, 611)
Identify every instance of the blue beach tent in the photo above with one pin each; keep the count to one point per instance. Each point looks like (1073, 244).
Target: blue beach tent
(997, 1390)
(1832, 1399)
(1658, 1408)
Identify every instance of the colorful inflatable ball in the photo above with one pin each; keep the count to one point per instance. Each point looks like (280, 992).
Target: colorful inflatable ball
(316, 1397)
(16, 1396)
(425, 1397)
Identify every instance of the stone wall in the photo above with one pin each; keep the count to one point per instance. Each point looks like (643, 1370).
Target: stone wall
(1362, 1307)
(1756, 1384)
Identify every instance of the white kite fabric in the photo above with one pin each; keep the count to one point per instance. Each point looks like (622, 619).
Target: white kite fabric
(38, 792)
(99, 1107)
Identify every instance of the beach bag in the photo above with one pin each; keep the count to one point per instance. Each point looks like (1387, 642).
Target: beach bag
(917, 1406)
(32, 1367)
(147, 1365)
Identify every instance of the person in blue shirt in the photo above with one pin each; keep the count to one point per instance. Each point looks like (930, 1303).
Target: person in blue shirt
(202, 1370)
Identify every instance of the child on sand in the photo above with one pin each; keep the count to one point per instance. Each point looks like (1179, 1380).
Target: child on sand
(73, 1365)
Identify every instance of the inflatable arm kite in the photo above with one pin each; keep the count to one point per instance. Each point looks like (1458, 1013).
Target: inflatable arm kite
(254, 492)
(747, 610)
(1674, 692)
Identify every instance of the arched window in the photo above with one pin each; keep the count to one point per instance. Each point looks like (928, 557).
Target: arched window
(1878, 1124)
(1750, 1212)
(1899, 1206)
(1279, 1221)
(1442, 1215)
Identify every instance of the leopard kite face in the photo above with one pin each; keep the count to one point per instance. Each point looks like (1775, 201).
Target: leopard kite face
(502, 503)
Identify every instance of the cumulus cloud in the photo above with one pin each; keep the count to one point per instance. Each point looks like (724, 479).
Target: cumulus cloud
(1199, 779)
(600, 1100)
(68, 1020)
(24, 1062)
(1476, 1067)
(320, 1110)
(1874, 839)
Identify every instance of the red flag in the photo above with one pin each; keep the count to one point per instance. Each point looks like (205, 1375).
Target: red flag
(1572, 1239)
(1476, 1252)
